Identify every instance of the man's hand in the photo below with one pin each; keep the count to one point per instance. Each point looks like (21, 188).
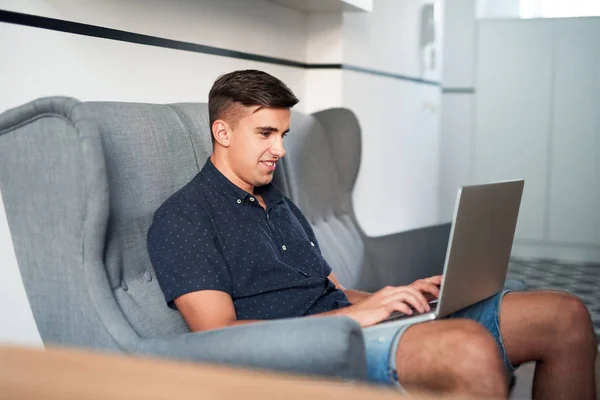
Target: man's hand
(381, 304)
(430, 287)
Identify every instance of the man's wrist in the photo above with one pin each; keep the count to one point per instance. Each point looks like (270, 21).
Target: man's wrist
(343, 311)
(355, 296)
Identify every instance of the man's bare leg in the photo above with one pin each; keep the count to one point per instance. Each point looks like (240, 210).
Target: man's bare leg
(452, 356)
(554, 329)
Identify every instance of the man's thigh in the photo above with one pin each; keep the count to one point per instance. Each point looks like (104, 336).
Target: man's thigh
(381, 344)
(487, 313)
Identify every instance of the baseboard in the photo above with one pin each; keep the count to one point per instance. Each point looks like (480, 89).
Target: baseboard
(564, 253)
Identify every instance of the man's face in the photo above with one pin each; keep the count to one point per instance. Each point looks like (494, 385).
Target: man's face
(256, 144)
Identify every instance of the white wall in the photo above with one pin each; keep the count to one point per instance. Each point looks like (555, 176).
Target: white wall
(498, 8)
(324, 45)
(99, 69)
(243, 25)
(459, 44)
(324, 39)
(537, 8)
(397, 186)
(18, 326)
(457, 115)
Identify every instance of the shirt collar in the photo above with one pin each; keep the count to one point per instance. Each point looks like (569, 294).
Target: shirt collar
(270, 194)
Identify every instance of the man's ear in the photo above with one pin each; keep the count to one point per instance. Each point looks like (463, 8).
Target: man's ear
(221, 132)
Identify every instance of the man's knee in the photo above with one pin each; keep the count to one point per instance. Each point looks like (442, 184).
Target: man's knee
(472, 348)
(454, 355)
(474, 358)
(574, 325)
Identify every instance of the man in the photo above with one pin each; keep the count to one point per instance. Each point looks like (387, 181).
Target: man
(230, 249)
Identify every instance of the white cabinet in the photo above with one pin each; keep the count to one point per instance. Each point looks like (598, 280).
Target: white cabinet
(512, 113)
(574, 202)
(538, 118)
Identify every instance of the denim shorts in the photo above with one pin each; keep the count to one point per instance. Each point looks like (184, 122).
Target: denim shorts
(381, 344)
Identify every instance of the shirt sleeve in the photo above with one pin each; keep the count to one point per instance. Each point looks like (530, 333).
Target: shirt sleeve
(311, 234)
(185, 254)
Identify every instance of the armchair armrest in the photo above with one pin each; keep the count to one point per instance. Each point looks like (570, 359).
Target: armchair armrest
(323, 346)
(403, 257)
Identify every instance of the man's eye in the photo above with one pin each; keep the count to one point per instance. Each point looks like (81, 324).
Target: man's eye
(283, 135)
(265, 134)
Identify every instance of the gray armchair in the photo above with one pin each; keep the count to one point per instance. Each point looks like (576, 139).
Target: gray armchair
(80, 183)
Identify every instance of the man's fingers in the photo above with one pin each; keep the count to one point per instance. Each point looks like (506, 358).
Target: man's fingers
(411, 296)
(427, 287)
(399, 306)
(436, 280)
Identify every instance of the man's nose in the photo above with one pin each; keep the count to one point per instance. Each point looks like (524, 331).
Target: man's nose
(278, 150)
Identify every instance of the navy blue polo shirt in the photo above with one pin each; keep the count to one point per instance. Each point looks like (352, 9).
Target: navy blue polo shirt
(213, 235)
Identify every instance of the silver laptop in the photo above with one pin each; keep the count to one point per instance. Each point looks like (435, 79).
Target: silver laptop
(479, 247)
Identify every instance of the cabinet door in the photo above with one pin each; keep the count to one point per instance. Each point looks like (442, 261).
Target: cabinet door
(574, 202)
(512, 117)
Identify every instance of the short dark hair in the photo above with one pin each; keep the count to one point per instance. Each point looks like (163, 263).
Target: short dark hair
(248, 87)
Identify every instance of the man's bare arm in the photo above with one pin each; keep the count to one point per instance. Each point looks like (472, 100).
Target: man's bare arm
(212, 309)
(354, 296)
(208, 309)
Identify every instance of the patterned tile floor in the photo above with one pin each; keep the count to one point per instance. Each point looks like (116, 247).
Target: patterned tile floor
(582, 280)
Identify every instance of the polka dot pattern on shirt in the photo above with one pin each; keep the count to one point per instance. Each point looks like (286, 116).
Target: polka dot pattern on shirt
(212, 235)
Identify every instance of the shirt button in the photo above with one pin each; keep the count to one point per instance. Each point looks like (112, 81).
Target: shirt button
(251, 198)
(284, 248)
(239, 201)
(312, 244)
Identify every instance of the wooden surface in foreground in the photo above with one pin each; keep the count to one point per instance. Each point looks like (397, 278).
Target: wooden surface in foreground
(68, 374)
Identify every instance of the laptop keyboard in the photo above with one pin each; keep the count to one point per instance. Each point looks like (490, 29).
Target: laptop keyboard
(397, 315)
